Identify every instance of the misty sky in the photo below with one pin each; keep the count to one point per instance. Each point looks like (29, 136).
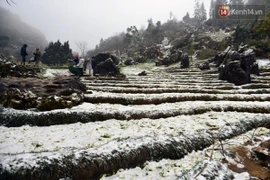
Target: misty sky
(91, 20)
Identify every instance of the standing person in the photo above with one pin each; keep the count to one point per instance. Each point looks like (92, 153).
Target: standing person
(37, 56)
(23, 53)
(89, 67)
(80, 65)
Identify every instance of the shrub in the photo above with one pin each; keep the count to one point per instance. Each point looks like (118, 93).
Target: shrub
(206, 53)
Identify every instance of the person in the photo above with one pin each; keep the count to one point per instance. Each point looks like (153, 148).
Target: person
(89, 67)
(37, 56)
(23, 53)
(75, 60)
(80, 65)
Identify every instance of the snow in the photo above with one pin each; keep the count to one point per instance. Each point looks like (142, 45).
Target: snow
(22, 146)
(242, 176)
(230, 94)
(170, 108)
(27, 139)
(219, 35)
(173, 169)
(51, 73)
(263, 63)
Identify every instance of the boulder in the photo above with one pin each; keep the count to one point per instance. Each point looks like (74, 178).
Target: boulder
(106, 68)
(19, 99)
(171, 58)
(219, 58)
(233, 73)
(185, 61)
(234, 66)
(248, 62)
(64, 99)
(204, 66)
(143, 73)
(105, 64)
(100, 57)
(234, 55)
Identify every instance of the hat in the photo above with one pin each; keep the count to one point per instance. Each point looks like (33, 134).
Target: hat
(76, 57)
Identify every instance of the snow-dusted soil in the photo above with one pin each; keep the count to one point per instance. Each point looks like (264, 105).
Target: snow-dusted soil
(174, 169)
(50, 73)
(168, 108)
(27, 139)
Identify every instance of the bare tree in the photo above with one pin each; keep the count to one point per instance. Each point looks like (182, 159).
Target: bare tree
(82, 46)
(8, 1)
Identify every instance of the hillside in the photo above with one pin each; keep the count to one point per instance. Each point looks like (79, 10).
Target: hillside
(158, 126)
(14, 33)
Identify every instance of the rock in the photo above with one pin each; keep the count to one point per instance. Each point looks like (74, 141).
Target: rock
(9, 69)
(64, 99)
(219, 58)
(233, 66)
(171, 58)
(143, 73)
(19, 99)
(176, 56)
(262, 152)
(166, 61)
(106, 68)
(204, 66)
(100, 57)
(233, 73)
(129, 62)
(3, 87)
(248, 62)
(43, 94)
(242, 48)
(234, 55)
(208, 170)
(185, 61)
(105, 64)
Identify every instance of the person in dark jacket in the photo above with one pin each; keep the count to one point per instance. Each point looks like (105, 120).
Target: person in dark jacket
(23, 54)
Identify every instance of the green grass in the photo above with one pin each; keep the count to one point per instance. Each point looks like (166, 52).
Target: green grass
(206, 53)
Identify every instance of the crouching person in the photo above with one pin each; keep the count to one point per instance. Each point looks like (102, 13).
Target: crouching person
(80, 65)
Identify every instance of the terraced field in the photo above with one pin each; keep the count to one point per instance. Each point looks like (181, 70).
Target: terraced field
(151, 125)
